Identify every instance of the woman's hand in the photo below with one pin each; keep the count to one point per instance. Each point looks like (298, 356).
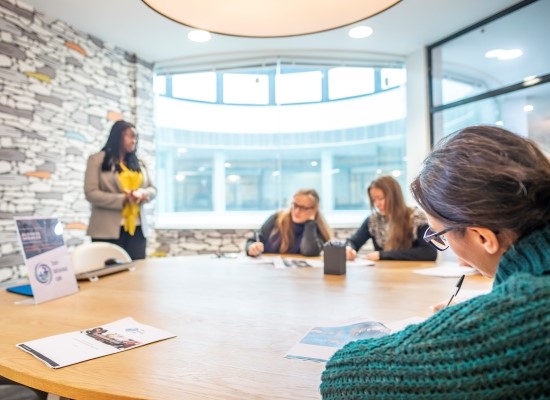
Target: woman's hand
(350, 253)
(440, 306)
(129, 197)
(140, 196)
(255, 249)
(374, 256)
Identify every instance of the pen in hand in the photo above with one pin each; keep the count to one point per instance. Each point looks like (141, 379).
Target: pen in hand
(257, 247)
(458, 286)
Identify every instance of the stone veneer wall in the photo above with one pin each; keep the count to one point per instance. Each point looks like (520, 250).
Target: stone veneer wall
(186, 242)
(61, 90)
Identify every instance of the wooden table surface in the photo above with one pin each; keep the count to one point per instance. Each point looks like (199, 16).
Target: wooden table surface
(234, 322)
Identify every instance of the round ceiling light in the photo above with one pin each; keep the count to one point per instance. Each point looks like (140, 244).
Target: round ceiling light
(268, 18)
(199, 36)
(360, 32)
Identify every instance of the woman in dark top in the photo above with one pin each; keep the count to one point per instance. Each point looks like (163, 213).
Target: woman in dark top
(299, 230)
(396, 230)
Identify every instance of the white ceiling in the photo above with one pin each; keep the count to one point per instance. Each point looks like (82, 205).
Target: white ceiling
(133, 26)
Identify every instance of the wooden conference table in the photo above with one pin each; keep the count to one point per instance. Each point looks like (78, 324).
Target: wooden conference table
(234, 322)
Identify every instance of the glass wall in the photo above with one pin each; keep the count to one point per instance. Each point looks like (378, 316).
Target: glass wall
(261, 134)
(496, 72)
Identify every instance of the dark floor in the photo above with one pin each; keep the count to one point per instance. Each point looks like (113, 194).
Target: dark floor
(16, 392)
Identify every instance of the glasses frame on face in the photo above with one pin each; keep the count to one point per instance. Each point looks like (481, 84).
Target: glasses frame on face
(300, 208)
(436, 239)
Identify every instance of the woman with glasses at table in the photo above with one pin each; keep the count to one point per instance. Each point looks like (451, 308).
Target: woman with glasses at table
(396, 230)
(299, 230)
(486, 192)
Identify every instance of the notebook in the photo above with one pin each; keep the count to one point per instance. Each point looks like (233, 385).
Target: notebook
(25, 290)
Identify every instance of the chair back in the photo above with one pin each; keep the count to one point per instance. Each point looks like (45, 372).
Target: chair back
(91, 256)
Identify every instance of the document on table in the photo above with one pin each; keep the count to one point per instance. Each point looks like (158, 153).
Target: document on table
(360, 262)
(286, 262)
(447, 270)
(321, 342)
(71, 348)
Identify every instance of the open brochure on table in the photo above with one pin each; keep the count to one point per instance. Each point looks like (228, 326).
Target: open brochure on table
(321, 342)
(74, 347)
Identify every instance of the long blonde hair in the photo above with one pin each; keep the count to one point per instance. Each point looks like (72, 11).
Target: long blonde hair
(398, 214)
(283, 223)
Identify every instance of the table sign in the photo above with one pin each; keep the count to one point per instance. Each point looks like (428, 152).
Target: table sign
(46, 257)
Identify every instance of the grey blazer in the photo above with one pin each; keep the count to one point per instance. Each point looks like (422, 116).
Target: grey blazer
(102, 190)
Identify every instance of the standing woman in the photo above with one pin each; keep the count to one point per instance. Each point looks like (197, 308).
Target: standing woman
(299, 230)
(396, 230)
(117, 185)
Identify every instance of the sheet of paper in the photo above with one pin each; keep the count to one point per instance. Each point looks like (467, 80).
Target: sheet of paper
(70, 348)
(447, 270)
(286, 262)
(360, 262)
(397, 326)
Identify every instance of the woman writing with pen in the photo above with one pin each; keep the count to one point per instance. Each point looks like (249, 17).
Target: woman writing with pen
(486, 193)
(299, 230)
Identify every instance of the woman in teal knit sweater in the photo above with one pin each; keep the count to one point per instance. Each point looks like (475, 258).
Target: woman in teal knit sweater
(486, 193)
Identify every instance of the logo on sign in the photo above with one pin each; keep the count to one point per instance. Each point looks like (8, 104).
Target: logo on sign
(43, 273)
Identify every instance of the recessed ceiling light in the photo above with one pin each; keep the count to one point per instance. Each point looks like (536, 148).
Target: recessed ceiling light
(528, 108)
(531, 80)
(199, 36)
(360, 32)
(510, 54)
(503, 54)
(233, 178)
(396, 173)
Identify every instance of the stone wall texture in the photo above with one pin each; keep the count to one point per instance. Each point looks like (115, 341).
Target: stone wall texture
(61, 90)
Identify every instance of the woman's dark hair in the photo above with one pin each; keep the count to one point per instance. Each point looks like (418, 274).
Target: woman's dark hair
(486, 176)
(112, 149)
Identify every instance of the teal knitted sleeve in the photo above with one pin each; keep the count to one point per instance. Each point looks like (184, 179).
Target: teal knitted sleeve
(492, 347)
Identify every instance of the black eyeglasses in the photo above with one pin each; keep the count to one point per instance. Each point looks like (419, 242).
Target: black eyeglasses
(300, 208)
(436, 239)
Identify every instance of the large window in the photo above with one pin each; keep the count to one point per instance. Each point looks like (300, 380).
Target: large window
(496, 72)
(270, 132)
